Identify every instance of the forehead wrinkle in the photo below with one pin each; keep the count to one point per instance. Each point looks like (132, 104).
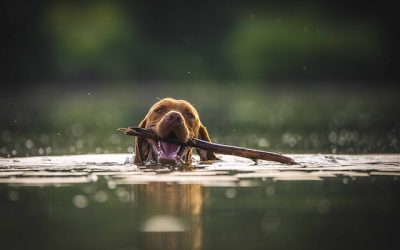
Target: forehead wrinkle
(157, 106)
(177, 105)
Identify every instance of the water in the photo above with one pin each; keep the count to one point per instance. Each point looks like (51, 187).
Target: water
(104, 202)
(48, 121)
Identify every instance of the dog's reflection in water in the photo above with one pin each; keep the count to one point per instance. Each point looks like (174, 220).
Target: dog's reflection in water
(172, 215)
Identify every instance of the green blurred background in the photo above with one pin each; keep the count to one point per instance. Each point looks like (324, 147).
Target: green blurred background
(303, 76)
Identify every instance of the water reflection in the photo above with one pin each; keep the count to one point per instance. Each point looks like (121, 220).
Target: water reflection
(105, 202)
(363, 214)
(173, 215)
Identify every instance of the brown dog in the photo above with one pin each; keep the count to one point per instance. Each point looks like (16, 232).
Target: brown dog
(171, 118)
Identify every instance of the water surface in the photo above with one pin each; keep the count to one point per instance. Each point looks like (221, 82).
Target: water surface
(105, 202)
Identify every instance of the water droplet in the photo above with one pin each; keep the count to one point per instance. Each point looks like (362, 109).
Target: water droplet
(101, 196)
(270, 190)
(230, 193)
(332, 137)
(111, 184)
(80, 201)
(29, 144)
(123, 195)
(130, 149)
(290, 139)
(92, 177)
(13, 195)
(41, 151)
(3, 150)
(263, 143)
(77, 130)
(6, 136)
(79, 143)
(48, 150)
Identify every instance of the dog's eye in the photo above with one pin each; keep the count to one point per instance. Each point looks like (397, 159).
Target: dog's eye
(160, 110)
(189, 115)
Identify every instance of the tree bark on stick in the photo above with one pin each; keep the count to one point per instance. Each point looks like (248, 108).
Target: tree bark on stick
(214, 147)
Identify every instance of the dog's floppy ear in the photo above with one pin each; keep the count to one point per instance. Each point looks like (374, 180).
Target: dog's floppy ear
(204, 154)
(141, 146)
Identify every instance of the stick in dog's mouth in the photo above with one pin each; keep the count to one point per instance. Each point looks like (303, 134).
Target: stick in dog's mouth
(214, 147)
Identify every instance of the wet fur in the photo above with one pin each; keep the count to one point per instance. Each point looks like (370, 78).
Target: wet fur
(155, 120)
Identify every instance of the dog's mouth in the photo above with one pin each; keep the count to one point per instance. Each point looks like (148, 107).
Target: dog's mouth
(169, 153)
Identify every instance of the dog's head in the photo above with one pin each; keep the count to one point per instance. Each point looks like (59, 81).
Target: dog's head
(175, 119)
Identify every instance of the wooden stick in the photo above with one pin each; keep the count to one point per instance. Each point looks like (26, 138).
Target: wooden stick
(214, 147)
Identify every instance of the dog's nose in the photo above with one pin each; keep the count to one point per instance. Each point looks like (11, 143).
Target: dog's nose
(174, 117)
